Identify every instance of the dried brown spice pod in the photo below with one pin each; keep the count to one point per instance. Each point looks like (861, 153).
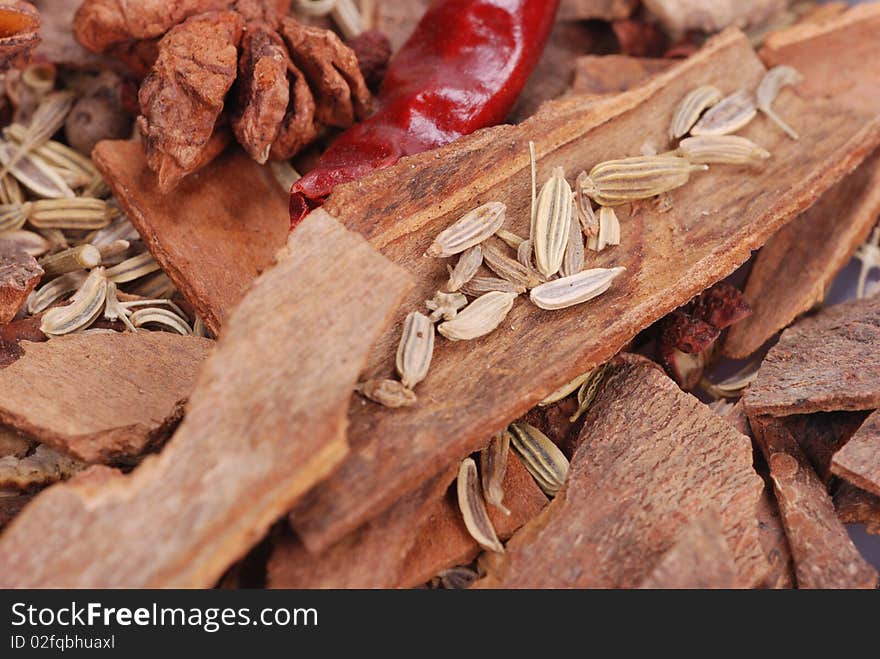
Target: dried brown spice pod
(19, 32)
(686, 332)
(373, 50)
(721, 306)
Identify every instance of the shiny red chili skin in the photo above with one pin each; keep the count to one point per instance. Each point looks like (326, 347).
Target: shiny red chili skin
(462, 69)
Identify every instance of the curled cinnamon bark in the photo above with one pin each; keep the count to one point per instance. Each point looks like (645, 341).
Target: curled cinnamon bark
(19, 32)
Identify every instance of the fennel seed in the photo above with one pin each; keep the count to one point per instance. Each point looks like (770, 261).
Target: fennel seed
(473, 507)
(415, 349)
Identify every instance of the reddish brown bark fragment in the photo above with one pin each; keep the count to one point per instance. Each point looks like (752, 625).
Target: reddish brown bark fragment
(19, 274)
(183, 96)
(101, 396)
(794, 270)
(824, 363)
(859, 460)
(824, 555)
(699, 558)
(12, 334)
(236, 221)
(409, 543)
(638, 38)
(687, 333)
(266, 421)
(855, 506)
(774, 542)
(721, 306)
(394, 453)
(821, 435)
(611, 74)
(653, 458)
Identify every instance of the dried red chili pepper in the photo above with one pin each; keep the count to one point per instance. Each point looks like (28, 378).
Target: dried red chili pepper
(462, 69)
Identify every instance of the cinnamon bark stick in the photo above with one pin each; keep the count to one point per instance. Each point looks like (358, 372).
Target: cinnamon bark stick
(479, 386)
(859, 459)
(794, 269)
(409, 543)
(824, 363)
(213, 234)
(821, 435)
(855, 506)
(824, 555)
(266, 421)
(774, 542)
(101, 396)
(699, 558)
(654, 458)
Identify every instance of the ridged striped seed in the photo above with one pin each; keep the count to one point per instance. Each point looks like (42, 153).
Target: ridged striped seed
(722, 150)
(616, 182)
(728, 116)
(114, 253)
(573, 261)
(587, 218)
(552, 220)
(79, 213)
(473, 507)
(388, 393)
(36, 174)
(81, 257)
(468, 263)
(691, 107)
(481, 285)
(13, 216)
(543, 459)
(85, 306)
(45, 296)
(46, 120)
(565, 390)
(479, 318)
(415, 349)
(28, 241)
(60, 156)
(771, 84)
(161, 317)
(509, 238)
(589, 389)
(133, 268)
(10, 191)
(158, 285)
(507, 268)
(576, 289)
(445, 305)
(472, 229)
(493, 467)
(609, 230)
(118, 229)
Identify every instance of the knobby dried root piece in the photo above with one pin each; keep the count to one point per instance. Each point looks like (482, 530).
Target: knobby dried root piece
(42, 467)
(414, 540)
(19, 32)
(652, 458)
(575, 133)
(257, 428)
(19, 275)
(859, 460)
(855, 506)
(99, 397)
(824, 555)
(700, 558)
(228, 238)
(823, 363)
(183, 96)
(610, 74)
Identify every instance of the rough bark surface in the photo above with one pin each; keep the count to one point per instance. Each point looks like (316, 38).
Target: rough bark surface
(611, 74)
(236, 221)
(824, 363)
(266, 421)
(824, 555)
(654, 458)
(714, 224)
(855, 506)
(859, 460)
(19, 274)
(101, 396)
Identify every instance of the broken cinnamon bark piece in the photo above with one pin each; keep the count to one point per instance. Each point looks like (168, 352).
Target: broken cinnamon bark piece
(485, 384)
(411, 542)
(824, 363)
(824, 555)
(855, 506)
(266, 421)
(19, 32)
(700, 558)
(653, 458)
(213, 234)
(821, 435)
(183, 96)
(774, 542)
(19, 274)
(101, 396)
(794, 270)
(42, 467)
(611, 74)
(859, 460)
